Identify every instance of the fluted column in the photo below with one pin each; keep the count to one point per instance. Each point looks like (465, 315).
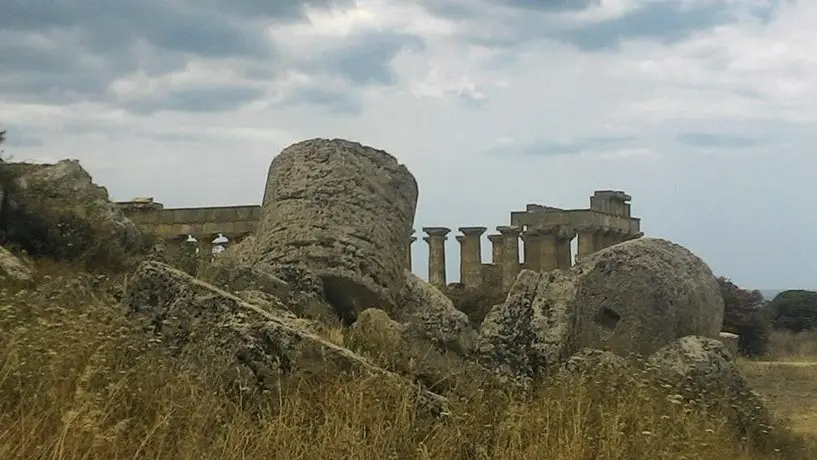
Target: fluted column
(531, 251)
(509, 261)
(471, 256)
(564, 236)
(497, 240)
(548, 248)
(436, 254)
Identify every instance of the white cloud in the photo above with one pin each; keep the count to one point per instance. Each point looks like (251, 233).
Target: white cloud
(487, 111)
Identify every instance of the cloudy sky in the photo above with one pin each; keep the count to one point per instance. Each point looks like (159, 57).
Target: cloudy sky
(703, 110)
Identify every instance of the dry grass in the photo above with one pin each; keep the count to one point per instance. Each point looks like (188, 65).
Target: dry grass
(79, 383)
(790, 346)
(790, 389)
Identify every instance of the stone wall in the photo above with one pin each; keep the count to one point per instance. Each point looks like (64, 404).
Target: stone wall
(543, 233)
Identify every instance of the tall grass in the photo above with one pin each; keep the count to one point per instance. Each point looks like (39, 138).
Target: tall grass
(78, 382)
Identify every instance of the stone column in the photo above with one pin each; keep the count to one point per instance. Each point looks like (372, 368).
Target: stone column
(436, 254)
(496, 248)
(509, 262)
(604, 238)
(471, 256)
(411, 241)
(548, 248)
(588, 243)
(532, 240)
(564, 236)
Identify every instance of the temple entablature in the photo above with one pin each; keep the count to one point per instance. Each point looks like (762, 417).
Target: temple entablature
(543, 233)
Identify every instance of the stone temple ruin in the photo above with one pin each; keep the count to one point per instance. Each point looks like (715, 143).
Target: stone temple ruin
(545, 232)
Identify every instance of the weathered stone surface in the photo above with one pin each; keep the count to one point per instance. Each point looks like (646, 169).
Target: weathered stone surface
(534, 330)
(730, 341)
(344, 211)
(62, 200)
(433, 316)
(242, 277)
(13, 270)
(631, 298)
(182, 310)
(394, 346)
(640, 295)
(703, 371)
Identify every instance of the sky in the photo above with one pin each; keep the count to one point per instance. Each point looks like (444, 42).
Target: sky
(703, 110)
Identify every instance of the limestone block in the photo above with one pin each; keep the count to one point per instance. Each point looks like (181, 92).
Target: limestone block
(186, 313)
(632, 298)
(730, 341)
(343, 210)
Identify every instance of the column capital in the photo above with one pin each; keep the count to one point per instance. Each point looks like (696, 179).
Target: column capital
(440, 232)
(495, 237)
(412, 232)
(473, 231)
(460, 238)
(412, 239)
(509, 229)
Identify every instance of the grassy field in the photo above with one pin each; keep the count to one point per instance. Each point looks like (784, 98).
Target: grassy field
(79, 383)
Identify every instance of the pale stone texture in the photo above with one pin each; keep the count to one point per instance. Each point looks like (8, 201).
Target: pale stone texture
(730, 341)
(533, 330)
(184, 311)
(637, 296)
(431, 314)
(632, 298)
(13, 270)
(343, 210)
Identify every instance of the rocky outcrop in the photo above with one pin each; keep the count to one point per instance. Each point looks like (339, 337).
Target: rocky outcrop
(701, 369)
(640, 295)
(393, 345)
(184, 311)
(631, 298)
(534, 330)
(57, 210)
(13, 270)
(432, 315)
(344, 211)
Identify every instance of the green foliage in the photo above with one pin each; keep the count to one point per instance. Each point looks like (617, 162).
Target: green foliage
(744, 315)
(794, 310)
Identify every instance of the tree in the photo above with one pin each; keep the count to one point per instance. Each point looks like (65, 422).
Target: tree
(744, 315)
(794, 310)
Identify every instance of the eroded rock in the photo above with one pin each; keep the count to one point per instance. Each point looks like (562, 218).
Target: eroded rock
(702, 370)
(57, 210)
(344, 211)
(183, 310)
(630, 299)
(13, 270)
(433, 316)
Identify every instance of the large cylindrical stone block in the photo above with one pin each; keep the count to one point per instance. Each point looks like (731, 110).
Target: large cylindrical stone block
(342, 210)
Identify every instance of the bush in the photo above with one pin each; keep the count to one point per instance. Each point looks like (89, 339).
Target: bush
(744, 315)
(794, 310)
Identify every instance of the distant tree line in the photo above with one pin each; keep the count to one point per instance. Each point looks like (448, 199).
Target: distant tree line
(752, 317)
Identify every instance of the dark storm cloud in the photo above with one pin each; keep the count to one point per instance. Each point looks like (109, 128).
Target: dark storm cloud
(216, 99)
(366, 58)
(470, 9)
(335, 102)
(63, 51)
(547, 147)
(718, 141)
(666, 21)
(662, 20)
